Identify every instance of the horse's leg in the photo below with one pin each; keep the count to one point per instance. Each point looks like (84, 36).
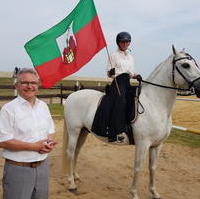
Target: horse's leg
(73, 135)
(140, 152)
(153, 156)
(81, 141)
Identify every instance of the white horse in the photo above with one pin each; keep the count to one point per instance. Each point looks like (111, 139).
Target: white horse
(150, 129)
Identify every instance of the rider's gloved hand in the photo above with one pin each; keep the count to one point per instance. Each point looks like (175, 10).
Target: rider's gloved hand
(139, 78)
(111, 72)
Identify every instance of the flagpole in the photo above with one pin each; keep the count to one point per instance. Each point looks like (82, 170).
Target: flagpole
(115, 80)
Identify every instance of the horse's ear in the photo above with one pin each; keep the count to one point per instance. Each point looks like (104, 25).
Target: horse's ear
(174, 50)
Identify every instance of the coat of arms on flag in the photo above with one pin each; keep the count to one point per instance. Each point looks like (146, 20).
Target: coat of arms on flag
(69, 52)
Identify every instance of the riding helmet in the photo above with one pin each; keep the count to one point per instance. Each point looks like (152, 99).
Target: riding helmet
(123, 36)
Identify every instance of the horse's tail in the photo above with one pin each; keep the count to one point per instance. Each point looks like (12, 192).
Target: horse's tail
(64, 147)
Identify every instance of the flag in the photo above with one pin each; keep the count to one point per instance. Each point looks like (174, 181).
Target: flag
(83, 39)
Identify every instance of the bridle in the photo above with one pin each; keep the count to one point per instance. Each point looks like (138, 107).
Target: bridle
(190, 83)
(189, 57)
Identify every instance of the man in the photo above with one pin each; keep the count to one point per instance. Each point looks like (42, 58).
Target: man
(26, 135)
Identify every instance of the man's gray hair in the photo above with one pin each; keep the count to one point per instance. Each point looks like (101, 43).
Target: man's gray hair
(26, 70)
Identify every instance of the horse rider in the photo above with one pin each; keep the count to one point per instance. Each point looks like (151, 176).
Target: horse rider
(120, 68)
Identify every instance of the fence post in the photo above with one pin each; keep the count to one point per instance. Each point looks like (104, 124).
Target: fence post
(14, 82)
(50, 100)
(14, 76)
(77, 86)
(61, 94)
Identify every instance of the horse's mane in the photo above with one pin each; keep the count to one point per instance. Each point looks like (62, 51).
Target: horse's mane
(159, 67)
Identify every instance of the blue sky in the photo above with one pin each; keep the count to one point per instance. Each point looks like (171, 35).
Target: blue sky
(154, 25)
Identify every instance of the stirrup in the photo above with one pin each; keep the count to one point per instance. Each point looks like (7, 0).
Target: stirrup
(122, 138)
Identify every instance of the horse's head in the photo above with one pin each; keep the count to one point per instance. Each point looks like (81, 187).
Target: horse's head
(185, 72)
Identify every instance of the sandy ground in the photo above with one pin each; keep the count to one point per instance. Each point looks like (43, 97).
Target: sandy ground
(187, 113)
(106, 171)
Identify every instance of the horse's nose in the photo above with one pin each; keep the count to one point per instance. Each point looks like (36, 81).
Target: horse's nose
(196, 86)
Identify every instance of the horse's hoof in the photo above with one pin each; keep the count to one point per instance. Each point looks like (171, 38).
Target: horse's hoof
(155, 195)
(77, 177)
(73, 190)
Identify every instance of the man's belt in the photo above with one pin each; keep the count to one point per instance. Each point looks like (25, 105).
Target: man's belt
(25, 164)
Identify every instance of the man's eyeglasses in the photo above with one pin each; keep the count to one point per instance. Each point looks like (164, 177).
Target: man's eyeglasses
(26, 83)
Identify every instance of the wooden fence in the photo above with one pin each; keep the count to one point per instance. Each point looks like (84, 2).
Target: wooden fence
(61, 91)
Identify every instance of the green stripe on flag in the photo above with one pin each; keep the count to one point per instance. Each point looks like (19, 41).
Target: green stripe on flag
(83, 14)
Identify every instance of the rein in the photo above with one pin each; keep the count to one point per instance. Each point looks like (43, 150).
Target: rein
(162, 86)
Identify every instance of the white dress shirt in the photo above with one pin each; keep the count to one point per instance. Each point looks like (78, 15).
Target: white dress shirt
(19, 120)
(123, 62)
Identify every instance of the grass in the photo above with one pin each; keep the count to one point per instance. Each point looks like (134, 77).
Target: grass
(7, 92)
(56, 109)
(184, 138)
(6, 81)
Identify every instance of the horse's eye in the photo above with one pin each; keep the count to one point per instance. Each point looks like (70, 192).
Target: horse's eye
(185, 65)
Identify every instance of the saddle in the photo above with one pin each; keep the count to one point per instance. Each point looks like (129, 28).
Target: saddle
(101, 120)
